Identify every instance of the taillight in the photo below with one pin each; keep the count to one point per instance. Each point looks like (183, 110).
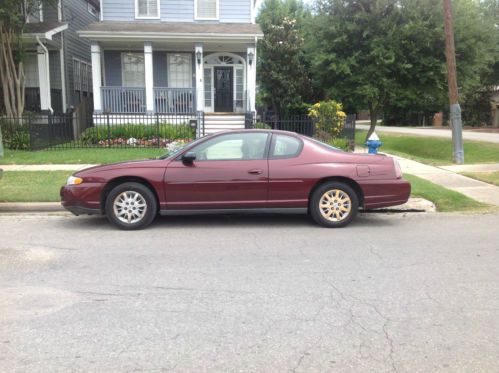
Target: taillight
(398, 169)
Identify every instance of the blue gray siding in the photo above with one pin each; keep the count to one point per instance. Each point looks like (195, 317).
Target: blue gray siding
(55, 69)
(76, 13)
(112, 68)
(237, 11)
(160, 69)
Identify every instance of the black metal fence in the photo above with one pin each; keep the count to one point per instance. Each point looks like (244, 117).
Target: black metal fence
(63, 131)
(84, 130)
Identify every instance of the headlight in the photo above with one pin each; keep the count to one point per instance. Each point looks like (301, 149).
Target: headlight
(73, 180)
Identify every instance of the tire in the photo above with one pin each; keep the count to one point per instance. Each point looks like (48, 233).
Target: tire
(334, 204)
(131, 206)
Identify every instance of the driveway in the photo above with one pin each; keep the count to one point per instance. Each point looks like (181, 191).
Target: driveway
(433, 132)
(405, 293)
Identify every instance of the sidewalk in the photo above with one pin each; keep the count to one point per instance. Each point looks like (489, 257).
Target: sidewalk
(478, 190)
(434, 132)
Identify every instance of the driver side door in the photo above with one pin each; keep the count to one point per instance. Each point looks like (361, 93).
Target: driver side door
(230, 171)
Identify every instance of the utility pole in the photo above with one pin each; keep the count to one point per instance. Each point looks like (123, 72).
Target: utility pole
(455, 109)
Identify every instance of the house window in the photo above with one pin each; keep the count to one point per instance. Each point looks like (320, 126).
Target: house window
(92, 9)
(206, 9)
(146, 9)
(132, 66)
(31, 71)
(179, 70)
(239, 82)
(207, 87)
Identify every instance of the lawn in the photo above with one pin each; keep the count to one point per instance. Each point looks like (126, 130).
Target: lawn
(433, 150)
(488, 177)
(86, 156)
(444, 199)
(32, 186)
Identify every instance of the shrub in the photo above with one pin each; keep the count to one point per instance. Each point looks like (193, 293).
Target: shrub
(15, 134)
(261, 125)
(136, 134)
(329, 118)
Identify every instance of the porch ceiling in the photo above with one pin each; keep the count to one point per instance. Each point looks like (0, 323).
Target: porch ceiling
(172, 31)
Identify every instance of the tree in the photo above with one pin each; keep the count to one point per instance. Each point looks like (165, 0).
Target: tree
(13, 19)
(284, 82)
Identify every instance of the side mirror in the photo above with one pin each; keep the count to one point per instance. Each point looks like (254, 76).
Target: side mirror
(189, 157)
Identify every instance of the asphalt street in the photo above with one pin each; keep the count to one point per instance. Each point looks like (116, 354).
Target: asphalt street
(401, 292)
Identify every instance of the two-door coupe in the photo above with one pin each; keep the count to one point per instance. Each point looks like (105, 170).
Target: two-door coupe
(247, 170)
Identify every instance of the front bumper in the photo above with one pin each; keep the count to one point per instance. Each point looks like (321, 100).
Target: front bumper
(82, 199)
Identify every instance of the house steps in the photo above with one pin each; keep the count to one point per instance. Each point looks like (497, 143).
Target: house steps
(223, 122)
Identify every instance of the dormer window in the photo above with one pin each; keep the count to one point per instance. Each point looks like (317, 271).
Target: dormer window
(206, 9)
(147, 9)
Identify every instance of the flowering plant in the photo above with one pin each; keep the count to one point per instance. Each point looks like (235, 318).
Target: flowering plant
(329, 118)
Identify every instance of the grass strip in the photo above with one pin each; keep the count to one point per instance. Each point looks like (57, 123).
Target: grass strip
(445, 200)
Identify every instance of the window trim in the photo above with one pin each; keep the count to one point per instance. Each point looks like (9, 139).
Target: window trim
(137, 16)
(272, 147)
(197, 18)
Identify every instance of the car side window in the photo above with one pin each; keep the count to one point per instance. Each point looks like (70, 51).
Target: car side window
(237, 146)
(285, 146)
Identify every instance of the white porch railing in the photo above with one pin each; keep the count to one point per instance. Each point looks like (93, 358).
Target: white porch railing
(174, 100)
(124, 99)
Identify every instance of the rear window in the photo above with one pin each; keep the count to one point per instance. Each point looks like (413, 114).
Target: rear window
(324, 145)
(284, 146)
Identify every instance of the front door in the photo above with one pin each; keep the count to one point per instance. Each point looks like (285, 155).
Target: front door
(224, 91)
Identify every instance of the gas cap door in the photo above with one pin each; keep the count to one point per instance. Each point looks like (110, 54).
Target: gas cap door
(363, 170)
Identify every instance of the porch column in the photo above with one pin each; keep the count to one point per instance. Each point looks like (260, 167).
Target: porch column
(149, 78)
(44, 78)
(199, 62)
(96, 76)
(251, 76)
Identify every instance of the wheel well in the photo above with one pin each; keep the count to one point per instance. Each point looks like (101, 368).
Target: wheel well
(351, 183)
(125, 179)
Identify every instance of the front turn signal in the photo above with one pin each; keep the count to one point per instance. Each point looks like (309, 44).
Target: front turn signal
(73, 180)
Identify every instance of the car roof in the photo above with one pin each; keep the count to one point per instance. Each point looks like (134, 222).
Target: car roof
(249, 130)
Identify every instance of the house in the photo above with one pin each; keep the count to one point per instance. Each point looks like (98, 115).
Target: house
(174, 57)
(57, 62)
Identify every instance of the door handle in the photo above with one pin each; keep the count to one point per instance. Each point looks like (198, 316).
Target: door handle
(255, 172)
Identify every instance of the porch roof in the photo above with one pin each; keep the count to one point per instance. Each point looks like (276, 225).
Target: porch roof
(179, 30)
(43, 30)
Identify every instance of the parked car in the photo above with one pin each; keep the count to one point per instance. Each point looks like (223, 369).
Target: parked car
(234, 171)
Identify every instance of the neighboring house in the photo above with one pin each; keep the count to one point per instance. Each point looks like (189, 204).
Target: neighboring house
(57, 62)
(175, 57)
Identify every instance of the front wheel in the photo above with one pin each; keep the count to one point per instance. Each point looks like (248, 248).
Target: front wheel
(334, 204)
(131, 206)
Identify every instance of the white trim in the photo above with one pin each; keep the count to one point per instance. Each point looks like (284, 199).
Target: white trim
(253, 11)
(96, 76)
(149, 78)
(59, 11)
(198, 36)
(234, 66)
(40, 10)
(146, 17)
(46, 35)
(101, 10)
(199, 86)
(205, 18)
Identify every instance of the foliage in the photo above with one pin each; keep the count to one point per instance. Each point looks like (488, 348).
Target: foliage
(282, 72)
(329, 118)
(136, 134)
(15, 134)
(262, 125)
(340, 143)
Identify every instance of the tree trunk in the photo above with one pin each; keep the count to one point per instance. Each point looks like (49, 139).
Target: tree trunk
(373, 114)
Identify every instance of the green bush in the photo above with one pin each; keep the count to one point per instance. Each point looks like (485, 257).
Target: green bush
(15, 135)
(340, 143)
(169, 132)
(261, 125)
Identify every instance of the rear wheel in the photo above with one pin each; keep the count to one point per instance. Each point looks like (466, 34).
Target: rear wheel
(334, 204)
(131, 206)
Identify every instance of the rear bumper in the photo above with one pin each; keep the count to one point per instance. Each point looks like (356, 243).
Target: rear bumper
(81, 199)
(386, 193)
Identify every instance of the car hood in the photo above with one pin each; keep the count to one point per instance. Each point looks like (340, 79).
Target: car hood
(145, 163)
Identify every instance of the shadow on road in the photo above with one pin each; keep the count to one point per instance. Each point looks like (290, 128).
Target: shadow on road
(265, 221)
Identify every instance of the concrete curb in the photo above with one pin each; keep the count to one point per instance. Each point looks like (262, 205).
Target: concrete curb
(21, 207)
(413, 205)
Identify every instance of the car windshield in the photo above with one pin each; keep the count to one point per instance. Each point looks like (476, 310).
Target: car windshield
(324, 145)
(176, 147)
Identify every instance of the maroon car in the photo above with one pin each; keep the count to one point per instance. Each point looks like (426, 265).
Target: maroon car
(248, 170)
